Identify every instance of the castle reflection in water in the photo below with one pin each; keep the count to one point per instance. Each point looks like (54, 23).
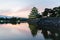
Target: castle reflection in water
(48, 32)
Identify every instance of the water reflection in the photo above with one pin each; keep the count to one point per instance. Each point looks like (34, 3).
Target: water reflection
(33, 29)
(28, 31)
(17, 32)
(49, 33)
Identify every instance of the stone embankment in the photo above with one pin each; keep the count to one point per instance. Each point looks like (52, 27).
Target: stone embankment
(53, 22)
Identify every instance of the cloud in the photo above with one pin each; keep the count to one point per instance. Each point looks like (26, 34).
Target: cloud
(20, 12)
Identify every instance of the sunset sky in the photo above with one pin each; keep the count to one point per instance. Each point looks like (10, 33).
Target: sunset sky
(22, 8)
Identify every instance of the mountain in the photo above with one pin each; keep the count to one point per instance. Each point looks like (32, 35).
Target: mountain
(2, 16)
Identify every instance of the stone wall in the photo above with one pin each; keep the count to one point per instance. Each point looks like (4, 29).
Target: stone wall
(50, 21)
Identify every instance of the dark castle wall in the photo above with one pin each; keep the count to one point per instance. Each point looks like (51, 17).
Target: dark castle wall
(54, 21)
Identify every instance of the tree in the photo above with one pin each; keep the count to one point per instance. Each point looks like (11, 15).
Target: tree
(45, 13)
(34, 13)
(57, 11)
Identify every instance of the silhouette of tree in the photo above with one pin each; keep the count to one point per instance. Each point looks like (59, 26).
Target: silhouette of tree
(55, 12)
(45, 13)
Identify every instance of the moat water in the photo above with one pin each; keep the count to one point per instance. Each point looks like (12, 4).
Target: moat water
(26, 31)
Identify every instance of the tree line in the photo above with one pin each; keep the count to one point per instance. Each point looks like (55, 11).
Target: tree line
(48, 12)
(13, 20)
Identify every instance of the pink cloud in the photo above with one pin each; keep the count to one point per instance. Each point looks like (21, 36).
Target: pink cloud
(20, 13)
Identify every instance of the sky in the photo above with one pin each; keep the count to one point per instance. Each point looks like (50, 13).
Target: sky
(22, 8)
